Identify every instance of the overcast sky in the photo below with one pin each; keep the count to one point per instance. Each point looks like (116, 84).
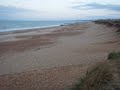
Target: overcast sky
(59, 9)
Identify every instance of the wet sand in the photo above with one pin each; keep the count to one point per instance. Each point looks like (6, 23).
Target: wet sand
(53, 59)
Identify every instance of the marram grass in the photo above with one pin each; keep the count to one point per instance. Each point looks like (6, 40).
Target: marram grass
(97, 78)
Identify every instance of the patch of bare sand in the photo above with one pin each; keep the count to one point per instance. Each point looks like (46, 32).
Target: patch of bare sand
(22, 45)
(60, 78)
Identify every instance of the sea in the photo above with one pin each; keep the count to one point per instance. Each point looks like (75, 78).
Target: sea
(14, 25)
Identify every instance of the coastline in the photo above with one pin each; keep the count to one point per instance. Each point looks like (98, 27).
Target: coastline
(58, 23)
(23, 30)
(29, 28)
(67, 51)
(26, 30)
(30, 37)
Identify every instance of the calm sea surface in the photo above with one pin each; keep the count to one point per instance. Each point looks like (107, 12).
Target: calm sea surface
(9, 25)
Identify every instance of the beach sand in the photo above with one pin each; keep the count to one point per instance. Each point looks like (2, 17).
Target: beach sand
(53, 58)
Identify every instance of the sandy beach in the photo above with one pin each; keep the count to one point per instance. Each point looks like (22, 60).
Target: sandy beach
(53, 58)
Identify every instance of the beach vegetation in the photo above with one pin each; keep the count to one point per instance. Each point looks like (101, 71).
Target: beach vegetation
(103, 76)
(109, 22)
(114, 56)
(98, 78)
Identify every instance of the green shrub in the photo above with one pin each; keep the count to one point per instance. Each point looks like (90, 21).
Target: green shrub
(114, 56)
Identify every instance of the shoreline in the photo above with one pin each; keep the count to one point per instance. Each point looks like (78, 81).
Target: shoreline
(41, 27)
(29, 28)
(26, 30)
(62, 62)
(18, 41)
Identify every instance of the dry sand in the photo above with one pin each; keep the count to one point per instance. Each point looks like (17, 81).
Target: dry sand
(53, 58)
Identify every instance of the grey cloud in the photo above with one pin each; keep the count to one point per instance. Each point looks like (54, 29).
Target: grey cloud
(112, 7)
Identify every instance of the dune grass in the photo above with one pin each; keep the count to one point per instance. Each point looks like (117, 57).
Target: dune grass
(114, 56)
(97, 78)
(102, 76)
(110, 22)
